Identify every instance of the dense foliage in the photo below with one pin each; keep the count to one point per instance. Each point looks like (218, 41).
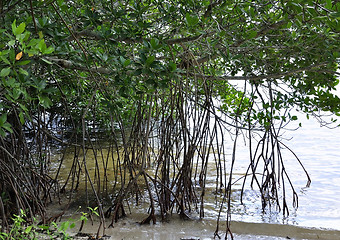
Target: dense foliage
(71, 69)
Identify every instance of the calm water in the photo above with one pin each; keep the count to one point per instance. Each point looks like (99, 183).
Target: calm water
(319, 205)
(319, 149)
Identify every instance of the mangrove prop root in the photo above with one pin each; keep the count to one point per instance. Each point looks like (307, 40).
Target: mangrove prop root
(173, 139)
(149, 218)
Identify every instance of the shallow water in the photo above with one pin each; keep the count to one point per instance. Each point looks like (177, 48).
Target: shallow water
(319, 150)
(319, 204)
(204, 230)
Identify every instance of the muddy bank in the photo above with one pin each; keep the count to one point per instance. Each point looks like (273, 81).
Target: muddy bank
(176, 229)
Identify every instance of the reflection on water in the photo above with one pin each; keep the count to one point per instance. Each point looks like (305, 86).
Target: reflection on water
(319, 205)
(319, 150)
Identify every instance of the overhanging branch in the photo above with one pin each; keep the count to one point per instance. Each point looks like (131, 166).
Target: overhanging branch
(260, 32)
(96, 36)
(71, 65)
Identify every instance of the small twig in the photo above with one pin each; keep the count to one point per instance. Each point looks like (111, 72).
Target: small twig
(69, 29)
(33, 18)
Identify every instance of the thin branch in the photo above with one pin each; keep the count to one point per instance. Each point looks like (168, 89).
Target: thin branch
(72, 65)
(33, 18)
(258, 77)
(9, 8)
(69, 29)
(210, 8)
(96, 36)
(260, 33)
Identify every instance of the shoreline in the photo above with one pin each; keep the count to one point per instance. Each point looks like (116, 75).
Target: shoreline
(175, 229)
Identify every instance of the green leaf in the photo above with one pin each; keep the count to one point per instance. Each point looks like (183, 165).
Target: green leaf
(3, 119)
(21, 63)
(33, 42)
(14, 26)
(137, 72)
(150, 60)
(20, 29)
(49, 50)
(328, 4)
(22, 71)
(126, 62)
(252, 34)
(46, 61)
(15, 94)
(22, 118)
(42, 46)
(72, 225)
(289, 25)
(335, 15)
(123, 61)
(10, 82)
(4, 53)
(172, 66)
(41, 35)
(26, 35)
(64, 225)
(5, 60)
(154, 43)
(28, 229)
(39, 84)
(5, 72)
(12, 55)
(44, 227)
(11, 43)
(23, 107)
(191, 20)
(45, 101)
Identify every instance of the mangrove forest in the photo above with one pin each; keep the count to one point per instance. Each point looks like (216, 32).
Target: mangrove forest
(130, 102)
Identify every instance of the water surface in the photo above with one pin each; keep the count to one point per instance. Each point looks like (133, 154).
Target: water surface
(319, 205)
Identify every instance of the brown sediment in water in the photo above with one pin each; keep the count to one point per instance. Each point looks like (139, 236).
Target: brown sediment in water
(175, 229)
(129, 227)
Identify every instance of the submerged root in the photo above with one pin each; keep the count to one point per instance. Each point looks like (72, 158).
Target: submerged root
(116, 216)
(53, 218)
(149, 218)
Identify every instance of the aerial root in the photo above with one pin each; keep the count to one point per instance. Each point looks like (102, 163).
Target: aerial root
(149, 218)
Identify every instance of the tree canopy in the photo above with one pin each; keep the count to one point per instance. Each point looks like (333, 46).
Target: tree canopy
(69, 68)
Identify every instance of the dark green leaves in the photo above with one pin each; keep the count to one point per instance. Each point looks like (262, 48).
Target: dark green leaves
(4, 125)
(150, 60)
(155, 44)
(43, 48)
(251, 34)
(191, 19)
(328, 4)
(148, 46)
